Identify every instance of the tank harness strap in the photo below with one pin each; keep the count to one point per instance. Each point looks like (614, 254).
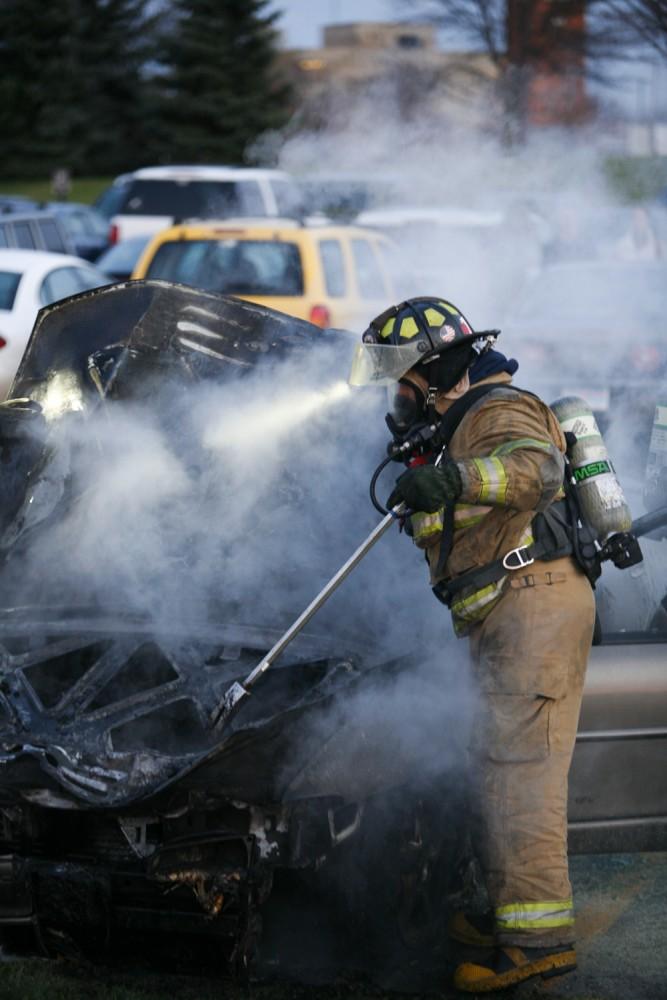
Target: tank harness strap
(446, 538)
(447, 427)
(552, 542)
(513, 560)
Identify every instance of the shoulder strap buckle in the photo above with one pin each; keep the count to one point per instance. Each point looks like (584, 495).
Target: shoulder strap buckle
(518, 558)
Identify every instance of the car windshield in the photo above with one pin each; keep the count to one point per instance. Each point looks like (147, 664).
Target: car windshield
(9, 283)
(234, 267)
(182, 199)
(601, 297)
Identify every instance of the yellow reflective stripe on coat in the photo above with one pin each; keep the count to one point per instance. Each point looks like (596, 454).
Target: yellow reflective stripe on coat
(466, 515)
(426, 526)
(535, 916)
(510, 446)
(469, 607)
(493, 478)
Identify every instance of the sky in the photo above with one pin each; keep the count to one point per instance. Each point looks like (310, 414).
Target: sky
(302, 20)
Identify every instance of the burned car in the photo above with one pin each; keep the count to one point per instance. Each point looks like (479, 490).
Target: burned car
(127, 610)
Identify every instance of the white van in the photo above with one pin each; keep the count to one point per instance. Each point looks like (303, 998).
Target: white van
(148, 200)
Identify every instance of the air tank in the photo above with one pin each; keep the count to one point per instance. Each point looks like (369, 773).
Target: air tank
(599, 492)
(655, 483)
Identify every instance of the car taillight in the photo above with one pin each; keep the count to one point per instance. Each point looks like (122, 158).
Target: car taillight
(3, 342)
(113, 233)
(320, 316)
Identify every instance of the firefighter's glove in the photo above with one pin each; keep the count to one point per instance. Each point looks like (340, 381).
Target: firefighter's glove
(427, 488)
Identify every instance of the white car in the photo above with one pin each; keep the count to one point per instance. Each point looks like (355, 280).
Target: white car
(30, 279)
(150, 199)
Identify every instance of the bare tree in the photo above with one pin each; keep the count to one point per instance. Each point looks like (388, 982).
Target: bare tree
(645, 21)
(543, 49)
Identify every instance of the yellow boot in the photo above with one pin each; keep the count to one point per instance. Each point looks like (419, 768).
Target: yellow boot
(511, 964)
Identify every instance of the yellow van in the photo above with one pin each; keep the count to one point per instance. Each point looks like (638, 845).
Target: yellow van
(337, 276)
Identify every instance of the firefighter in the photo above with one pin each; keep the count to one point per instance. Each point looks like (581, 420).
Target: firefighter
(500, 559)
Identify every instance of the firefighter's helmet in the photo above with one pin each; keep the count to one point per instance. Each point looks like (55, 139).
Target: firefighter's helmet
(410, 333)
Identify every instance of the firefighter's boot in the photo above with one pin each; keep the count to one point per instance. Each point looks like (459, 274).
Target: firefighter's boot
(511, 964)
(475, 929)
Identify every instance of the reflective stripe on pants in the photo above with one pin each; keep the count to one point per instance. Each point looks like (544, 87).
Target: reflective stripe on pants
(535, 916)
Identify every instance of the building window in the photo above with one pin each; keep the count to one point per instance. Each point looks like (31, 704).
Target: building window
(410, 42)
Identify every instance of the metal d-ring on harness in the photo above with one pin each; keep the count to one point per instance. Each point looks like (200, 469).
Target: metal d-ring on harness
(523, 559)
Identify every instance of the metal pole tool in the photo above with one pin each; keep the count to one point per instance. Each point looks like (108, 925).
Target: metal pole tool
(234, 697)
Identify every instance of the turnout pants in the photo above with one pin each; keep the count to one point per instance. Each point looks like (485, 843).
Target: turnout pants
(529, 659)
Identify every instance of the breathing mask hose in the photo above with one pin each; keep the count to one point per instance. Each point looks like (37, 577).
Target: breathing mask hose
(424, 439)
(376, 475)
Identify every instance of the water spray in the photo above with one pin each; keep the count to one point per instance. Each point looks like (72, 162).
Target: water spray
(249, 425)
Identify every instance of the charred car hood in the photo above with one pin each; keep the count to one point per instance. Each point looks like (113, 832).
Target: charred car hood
(100, 704)
(102, 712)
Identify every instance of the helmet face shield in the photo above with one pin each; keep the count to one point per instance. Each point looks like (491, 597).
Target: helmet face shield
(382, 364)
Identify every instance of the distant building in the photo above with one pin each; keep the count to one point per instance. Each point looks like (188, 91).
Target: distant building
(399, 61)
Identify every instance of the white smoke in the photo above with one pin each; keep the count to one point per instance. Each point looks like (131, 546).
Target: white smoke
(240, 499)
(533, 240)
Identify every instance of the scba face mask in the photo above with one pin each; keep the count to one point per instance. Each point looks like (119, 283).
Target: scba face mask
(411, 420)
(406, 407)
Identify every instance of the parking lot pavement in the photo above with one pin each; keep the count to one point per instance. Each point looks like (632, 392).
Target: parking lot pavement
(621, 904)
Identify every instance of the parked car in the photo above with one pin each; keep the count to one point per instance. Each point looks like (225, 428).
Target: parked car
(623, 725)
(120, 259)
(88, 230)
(126, 807)
(153, 198)
(581, 231)
(30, 279)
(37, 230)
(330, 275)
(17, 203)
(479, 257)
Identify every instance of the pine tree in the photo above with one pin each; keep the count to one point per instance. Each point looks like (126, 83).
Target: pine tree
(220, 85)
(73, 91)
(121, 46)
